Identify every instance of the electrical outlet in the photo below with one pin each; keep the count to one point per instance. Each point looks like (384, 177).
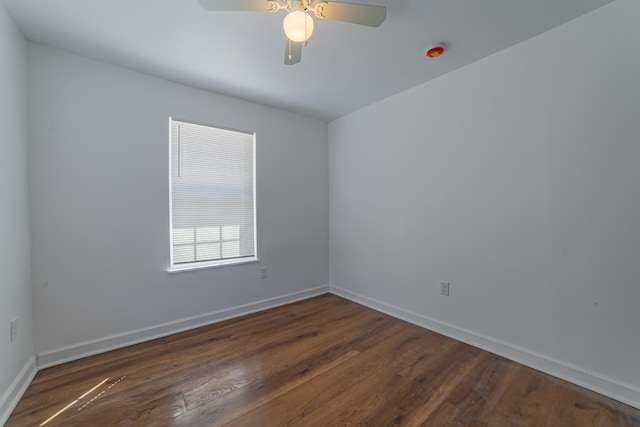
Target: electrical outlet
(14, 329)
(263, 272)
(444, 288)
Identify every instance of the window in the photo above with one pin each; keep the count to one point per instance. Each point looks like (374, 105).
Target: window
(212, 196)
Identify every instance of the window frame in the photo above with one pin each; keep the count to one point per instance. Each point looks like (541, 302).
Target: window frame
(198, 265)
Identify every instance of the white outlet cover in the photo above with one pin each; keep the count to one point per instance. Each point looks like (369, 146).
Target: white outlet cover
(444, 288)
(14, 329)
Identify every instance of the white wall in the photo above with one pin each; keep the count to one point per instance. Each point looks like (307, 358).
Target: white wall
(15, 264)
(99, 199)
(516, 179)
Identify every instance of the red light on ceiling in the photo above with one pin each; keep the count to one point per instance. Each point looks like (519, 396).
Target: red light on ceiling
(435, 51)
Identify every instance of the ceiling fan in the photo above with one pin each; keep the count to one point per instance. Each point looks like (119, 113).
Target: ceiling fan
(298, 24)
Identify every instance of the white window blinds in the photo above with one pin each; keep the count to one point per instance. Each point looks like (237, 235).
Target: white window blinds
(212, 194)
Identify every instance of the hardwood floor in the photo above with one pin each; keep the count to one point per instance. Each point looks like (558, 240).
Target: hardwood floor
(320, 362)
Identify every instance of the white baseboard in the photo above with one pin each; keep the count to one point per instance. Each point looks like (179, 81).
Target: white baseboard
(12, 395)
(112, 342)
(599, 383)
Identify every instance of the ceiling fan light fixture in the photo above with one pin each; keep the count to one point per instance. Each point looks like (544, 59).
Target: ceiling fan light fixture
(298, 26)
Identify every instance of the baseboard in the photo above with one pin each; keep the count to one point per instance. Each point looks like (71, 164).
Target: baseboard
(112, 342)
(599, 383)
(12, 395)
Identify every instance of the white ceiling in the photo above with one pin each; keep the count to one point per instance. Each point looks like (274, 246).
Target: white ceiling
(344, 67)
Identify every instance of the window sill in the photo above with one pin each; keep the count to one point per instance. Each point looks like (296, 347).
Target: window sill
(211, 264)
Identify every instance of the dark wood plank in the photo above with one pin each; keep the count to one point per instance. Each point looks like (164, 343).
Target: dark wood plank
(294, 407)
(321, 362)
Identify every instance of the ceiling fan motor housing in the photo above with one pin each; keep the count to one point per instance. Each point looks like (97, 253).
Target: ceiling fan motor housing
(293, 5)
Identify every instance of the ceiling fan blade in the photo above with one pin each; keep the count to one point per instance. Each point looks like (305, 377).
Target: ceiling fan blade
(292, 52)
(363, 14)
(238, 5)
